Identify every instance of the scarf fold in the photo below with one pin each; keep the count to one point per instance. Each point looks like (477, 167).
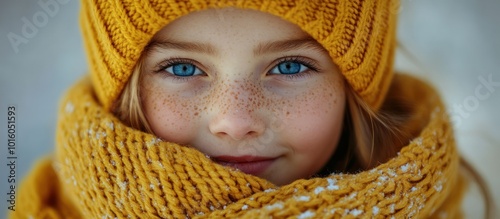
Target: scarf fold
(104, 169)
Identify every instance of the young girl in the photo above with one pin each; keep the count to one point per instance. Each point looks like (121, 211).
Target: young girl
(246, 109)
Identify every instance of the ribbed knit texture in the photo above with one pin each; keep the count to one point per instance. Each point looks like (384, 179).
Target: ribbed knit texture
(104, 169)
(358, 34)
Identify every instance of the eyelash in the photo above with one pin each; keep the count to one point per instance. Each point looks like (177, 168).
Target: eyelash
(311, 65)
(173, 61)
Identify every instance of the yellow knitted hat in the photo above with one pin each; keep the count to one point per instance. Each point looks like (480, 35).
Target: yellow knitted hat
(358, 34)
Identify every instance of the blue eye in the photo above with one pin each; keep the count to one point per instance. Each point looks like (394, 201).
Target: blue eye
(289, 67)
(183, 69)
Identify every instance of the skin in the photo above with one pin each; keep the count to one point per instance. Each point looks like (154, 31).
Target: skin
(239, 104)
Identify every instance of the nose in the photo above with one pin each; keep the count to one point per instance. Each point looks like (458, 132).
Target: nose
(236, 115)
(236, 125)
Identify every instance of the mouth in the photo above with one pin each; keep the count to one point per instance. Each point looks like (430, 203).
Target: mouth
(248, 164)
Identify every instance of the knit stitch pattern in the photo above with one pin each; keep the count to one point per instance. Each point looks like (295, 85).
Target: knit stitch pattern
(358, 34)
(109, 170)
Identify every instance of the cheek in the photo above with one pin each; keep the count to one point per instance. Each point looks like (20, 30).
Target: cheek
(171, 117)
(318, 119)
(314, 123)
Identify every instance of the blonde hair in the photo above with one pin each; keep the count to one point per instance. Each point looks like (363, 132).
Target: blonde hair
(369, 137)
(128, 107)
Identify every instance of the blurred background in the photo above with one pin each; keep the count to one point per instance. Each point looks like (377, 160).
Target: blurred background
(454, 44)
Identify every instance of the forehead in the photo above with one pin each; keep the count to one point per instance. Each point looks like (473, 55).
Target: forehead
(212, 25)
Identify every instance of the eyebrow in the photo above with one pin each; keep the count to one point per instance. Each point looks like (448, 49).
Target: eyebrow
(186, 46)
(260, 49)
(288, 45)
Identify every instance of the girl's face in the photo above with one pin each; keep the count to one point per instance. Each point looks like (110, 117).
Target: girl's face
(248, 89)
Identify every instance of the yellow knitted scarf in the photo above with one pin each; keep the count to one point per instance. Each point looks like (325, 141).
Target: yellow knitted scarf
(104, 169)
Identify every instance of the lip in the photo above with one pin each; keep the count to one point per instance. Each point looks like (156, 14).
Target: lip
(248, 164)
